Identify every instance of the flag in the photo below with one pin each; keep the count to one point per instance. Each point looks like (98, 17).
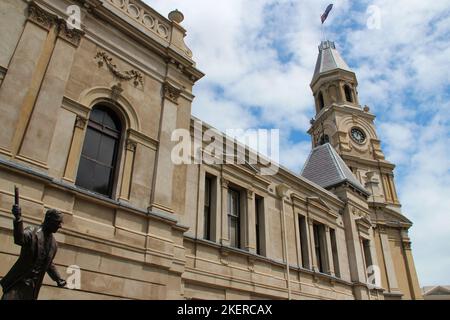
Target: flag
(325, 14)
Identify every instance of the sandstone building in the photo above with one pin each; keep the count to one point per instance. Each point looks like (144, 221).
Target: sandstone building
(86, 117)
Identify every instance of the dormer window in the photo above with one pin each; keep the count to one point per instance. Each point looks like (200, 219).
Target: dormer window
(348, 93)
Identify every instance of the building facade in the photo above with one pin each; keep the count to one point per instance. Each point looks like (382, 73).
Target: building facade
(87, 116)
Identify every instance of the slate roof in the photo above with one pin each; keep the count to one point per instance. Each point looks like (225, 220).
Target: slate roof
(329, 59)
(327, 169)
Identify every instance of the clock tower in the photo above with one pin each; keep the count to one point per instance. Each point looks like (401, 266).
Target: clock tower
(349, 127)
(347, 151)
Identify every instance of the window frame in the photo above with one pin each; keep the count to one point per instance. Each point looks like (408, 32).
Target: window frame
(117, 135)
(348, 92)
(234, 219)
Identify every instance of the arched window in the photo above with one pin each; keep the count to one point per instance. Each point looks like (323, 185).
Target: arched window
(348, 93)
(100, 150)
(321, 101)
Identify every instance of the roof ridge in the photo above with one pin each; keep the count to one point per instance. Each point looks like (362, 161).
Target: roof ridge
(333, 153)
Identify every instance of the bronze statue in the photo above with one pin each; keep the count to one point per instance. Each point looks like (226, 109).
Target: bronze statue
(24, 280)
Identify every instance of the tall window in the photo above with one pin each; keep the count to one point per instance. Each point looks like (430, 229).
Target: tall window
(234, 217)
(207, 208)
(320, 248)
(366, 251)
(334, 249)
(321, 101)
(348, 93)
(260, 228)
(99, 155)
(303, 241)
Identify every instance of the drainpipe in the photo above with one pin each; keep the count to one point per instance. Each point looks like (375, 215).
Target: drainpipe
(282, 190)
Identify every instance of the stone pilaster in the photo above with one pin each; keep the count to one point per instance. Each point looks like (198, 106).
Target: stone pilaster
(44, 114)
(250, 243)
(25, 75)
(224, 237)
(128, 170)
(314, 266)
(164, 168)
(389, 263)
(75, 149)
(330, 264)
(413, 281)
(355, 254)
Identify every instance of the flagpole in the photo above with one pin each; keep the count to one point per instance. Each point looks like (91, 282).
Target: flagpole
(323, 34)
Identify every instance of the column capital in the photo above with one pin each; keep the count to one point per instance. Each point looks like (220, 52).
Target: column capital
(250, 194)
(382, 229)
(80, 122)
(171, 92)
(41, 17)
(224, 183)
(71, 35)
(131, 145)
(406, 244)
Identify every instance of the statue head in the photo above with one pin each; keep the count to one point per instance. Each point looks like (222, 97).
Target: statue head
(53, 220)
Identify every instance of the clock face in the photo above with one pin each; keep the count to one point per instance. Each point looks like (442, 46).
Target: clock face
(358, 135)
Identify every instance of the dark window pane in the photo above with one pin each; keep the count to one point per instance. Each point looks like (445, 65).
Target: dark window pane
(348, 94)
(321, 101)
(101, 179)
(85, 173)
(97, 163)
(97, 115)
(111, 122)
(233, 233)
(107, 149)
(91, 143)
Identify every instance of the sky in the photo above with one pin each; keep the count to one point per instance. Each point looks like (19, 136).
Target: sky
(259, 58)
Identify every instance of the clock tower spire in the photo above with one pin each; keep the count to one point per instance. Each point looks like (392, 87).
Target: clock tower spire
(347, 160)
(349, 128)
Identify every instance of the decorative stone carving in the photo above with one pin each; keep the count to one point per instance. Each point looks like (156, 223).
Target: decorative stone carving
(250, 194)
(80, 122)
(171, 93)
(143, 16)
(102, 58)
(116, 91)
(131, 145)
(224, 183)
(407, 245)
(176, 16)
(71, 35)
(41, 17)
